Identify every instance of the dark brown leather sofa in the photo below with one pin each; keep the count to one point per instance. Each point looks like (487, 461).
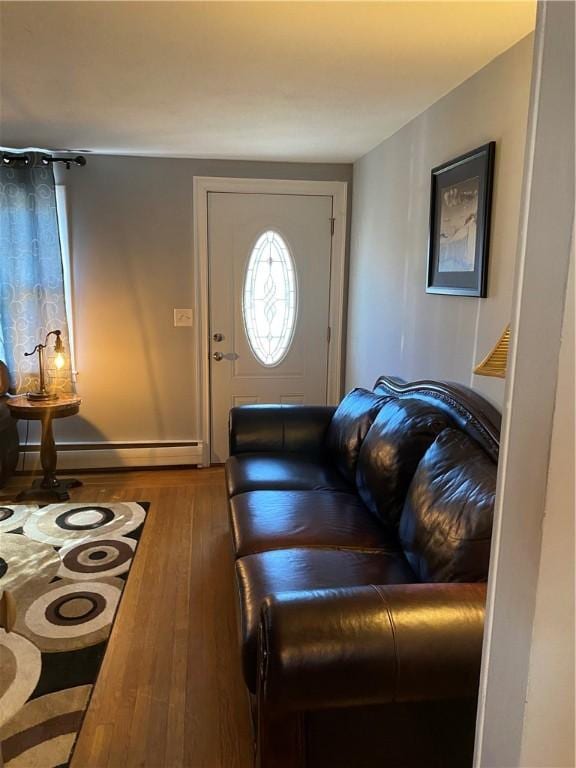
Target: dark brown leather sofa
(362, 538)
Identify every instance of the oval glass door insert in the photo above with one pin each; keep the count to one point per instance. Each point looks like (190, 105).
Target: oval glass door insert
(269, 299)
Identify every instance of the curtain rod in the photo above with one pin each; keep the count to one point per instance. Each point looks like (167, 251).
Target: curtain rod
(10, 159)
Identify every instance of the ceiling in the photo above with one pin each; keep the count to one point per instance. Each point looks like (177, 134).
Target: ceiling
(318, 81)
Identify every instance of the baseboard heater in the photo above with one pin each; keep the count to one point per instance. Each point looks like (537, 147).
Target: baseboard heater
(115, 455)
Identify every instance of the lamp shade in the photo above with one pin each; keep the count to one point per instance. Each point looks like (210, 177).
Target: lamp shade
(494, 364)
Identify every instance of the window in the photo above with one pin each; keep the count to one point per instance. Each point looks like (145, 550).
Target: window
(269, 303)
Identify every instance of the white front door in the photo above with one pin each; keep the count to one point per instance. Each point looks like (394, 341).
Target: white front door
(269, 292)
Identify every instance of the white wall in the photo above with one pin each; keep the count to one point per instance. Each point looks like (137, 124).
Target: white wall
(524, 711)
(548, 736)
(394, 326)
(132, 251)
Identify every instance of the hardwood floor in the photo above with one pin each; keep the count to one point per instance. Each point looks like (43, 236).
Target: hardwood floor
(170, 693)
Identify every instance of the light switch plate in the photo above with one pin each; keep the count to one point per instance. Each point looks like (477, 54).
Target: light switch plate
(182, 317)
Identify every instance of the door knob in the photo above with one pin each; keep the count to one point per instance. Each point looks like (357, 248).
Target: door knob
(218, 337)
(217, 356)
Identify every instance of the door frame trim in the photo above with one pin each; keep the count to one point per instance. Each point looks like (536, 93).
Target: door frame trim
(507, 722)
(202, 186)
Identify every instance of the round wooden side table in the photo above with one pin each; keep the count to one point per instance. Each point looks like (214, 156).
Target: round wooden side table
(49, 488)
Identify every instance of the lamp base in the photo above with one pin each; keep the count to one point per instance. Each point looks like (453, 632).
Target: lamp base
(58, 491)
(42, 396)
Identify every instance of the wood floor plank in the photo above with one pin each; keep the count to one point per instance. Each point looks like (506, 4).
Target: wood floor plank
(170, 692)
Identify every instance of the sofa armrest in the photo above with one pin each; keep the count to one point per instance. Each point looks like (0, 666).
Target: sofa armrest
(299, 428)
(370, 645)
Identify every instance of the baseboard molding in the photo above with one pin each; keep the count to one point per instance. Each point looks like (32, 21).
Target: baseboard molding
(115, 455)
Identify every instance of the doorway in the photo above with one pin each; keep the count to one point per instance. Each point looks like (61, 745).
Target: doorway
(271, 280)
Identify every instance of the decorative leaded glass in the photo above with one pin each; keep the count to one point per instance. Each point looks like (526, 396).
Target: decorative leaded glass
(270, 299)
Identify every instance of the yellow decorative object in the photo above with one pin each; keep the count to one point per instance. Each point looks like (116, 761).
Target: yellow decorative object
(495, 363)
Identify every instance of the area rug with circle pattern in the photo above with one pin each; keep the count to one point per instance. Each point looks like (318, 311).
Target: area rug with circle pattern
(65, 566)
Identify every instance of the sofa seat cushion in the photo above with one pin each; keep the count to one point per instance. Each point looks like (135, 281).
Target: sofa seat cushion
(265, 520)
(281, 471)
(283, 570)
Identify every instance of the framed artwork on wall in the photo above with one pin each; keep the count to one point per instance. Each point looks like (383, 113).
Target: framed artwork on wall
(460, 202)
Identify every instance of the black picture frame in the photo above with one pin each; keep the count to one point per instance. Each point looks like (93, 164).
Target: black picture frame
(460, 208)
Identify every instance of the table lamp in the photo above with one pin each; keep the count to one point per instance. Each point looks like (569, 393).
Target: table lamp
(42, 393)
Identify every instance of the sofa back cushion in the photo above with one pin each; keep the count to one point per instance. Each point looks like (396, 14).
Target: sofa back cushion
(349, 426)
(446, 523)
(400, 435)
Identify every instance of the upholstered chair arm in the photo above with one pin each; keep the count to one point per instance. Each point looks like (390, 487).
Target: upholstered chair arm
(370, 645)
(269, 428)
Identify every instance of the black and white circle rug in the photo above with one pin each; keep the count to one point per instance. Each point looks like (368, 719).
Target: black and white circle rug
(65, 565)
